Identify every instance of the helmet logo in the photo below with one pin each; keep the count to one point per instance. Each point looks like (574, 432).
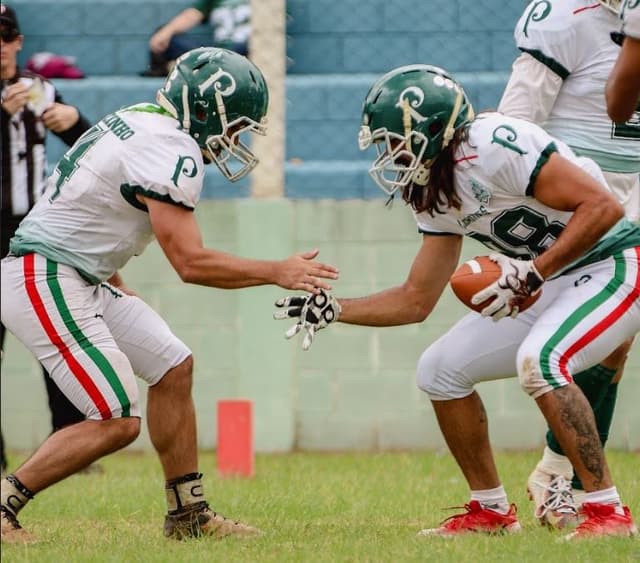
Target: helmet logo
(412, 97)
(222, 82)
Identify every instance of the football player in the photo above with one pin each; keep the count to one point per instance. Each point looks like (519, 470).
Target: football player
(558, 82)
(554, 227)
(134, 176)
(623, 86)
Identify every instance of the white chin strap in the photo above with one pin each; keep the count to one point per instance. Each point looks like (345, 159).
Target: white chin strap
(421, 174)
(450, 130)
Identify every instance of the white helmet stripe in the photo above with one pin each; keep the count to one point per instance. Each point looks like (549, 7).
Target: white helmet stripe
(450, 130)
(186, 120)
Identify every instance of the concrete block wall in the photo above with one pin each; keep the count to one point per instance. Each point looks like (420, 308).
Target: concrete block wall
(351, 36)
(355, 388)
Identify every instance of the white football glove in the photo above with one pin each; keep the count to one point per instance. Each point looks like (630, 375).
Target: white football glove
(519, 280)
(314, 312)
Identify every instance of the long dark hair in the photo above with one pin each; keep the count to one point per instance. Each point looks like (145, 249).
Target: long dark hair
(439, 189)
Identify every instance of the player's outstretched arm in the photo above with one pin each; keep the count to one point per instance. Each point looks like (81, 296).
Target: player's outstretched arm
(179, 237)
(623, 87)
(413, 300)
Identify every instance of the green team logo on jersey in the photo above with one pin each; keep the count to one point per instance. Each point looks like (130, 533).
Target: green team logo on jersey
(538, 12)
(632, 4)
(506, 138)
(186, 165)
(481, 193)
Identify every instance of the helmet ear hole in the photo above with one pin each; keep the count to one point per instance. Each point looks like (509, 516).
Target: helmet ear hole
(435, 127)
(200, 112)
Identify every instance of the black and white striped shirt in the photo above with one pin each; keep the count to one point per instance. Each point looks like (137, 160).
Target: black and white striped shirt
(24, 157)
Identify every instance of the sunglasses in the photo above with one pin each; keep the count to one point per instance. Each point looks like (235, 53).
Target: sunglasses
(9, 35)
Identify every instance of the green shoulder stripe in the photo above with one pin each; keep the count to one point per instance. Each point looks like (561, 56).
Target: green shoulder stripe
(129, 193)
(554, 65)
(542, 160)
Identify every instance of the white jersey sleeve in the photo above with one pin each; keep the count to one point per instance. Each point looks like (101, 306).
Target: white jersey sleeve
(171, 171)
(531, 91)
(631, 18)
(545, 31)
(495, 169)
(511, 152)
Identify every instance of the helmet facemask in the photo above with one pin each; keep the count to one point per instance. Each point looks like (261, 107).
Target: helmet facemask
(398, 157)
(230, 153)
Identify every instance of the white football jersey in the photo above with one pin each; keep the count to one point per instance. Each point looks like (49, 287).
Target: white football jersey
(572, 38)
(89, 217)
(630, 15)
(494, 176)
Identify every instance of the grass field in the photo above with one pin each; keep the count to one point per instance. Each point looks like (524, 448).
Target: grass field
(313, 507)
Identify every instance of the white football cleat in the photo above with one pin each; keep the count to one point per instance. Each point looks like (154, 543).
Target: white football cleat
(554, 503)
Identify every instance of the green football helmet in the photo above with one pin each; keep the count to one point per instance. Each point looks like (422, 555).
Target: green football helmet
(411, 115)
(217, 95)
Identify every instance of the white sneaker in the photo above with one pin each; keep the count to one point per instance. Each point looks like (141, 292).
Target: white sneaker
(552, 496)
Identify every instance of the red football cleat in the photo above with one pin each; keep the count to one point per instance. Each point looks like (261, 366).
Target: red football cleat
(476, 519)
(603, 520)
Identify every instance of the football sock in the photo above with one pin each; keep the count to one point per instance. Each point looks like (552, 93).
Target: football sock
(555, 464)
(13, 494)
(494, 499)
(604, 416)
(605, 496)
(594, 383)
(184, 492)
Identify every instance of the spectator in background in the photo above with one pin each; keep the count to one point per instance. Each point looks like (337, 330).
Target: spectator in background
(30, 106)
(558, 82)
(230, 21)
(623, 86)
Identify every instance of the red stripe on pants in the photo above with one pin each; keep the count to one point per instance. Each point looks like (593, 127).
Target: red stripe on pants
(603, 325)
(76, 368)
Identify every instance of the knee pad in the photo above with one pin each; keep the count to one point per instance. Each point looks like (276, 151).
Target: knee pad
(439, 379)
(531, 379)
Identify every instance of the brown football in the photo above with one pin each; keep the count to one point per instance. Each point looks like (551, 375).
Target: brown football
(476, 274)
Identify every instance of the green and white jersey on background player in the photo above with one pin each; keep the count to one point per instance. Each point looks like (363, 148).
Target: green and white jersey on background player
(572, 38)
(630, 15)
(89, 217)
(495, 174)
(230, 20)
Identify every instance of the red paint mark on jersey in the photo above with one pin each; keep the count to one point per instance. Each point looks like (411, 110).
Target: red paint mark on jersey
(586, 8)
(472, 157)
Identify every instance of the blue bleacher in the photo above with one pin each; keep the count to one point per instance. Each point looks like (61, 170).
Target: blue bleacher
(335, 50)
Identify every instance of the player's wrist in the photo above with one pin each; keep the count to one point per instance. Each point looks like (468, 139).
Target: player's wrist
(534, 278)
